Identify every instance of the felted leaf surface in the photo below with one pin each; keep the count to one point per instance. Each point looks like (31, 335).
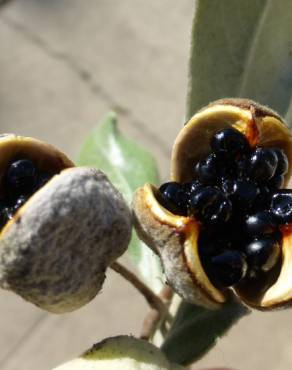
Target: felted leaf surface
(195, 330)
(128, 166)
(121, 353)
(241, 49)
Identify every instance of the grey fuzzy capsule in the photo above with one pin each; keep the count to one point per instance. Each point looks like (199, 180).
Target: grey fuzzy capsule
(55, 251)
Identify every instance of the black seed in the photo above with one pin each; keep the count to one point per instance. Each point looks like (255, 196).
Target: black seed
(189, 190)
(20, 202)
(242, 164)
(244, 193)
(210, 206)
(174, 197)
(229, 142)
(260, 223)
(262, 254)
(281, 206)
(276, 182)
(42, 179)
(9, 212)
(228, 268)
(3, 212)
(263, 199)
(207, 170)
(213, 241)
(208, 245)
(227, 186)
(282, 166)
(263, 164)
(20, 176)
(3, 204)
(191, 187)
(227, 167)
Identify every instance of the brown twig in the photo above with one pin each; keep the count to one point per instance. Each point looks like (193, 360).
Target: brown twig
(155, 319)
(155, 302)
(150, 324)
(159, 304)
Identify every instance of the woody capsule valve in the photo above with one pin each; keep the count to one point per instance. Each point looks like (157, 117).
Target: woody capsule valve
(222, 225)
(61, 225)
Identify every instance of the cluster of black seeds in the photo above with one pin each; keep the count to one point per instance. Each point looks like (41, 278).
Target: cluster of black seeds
(237, 198)
(19, 182)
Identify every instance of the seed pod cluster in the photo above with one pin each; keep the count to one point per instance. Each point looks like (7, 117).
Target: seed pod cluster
(71, 223)
(224, 220)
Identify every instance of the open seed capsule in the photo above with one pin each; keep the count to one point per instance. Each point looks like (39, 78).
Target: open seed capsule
(66, 224)
(247, 248)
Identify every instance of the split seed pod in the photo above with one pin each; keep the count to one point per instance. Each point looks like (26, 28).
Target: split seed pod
(56, 248)
(119, 353)
(175, 238)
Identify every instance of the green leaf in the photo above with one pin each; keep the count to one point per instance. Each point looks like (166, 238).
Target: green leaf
(241, 49)
(195, 330)
(128, 166)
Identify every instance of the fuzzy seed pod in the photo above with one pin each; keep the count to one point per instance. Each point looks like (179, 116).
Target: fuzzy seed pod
(119, 353)
(55, 249)
(176, 238)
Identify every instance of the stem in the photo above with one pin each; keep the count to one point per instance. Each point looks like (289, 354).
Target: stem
(154, 301)
(155, 319)
(159, 304)
(150, 324)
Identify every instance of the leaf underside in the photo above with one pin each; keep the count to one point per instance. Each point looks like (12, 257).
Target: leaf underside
(196, 330)
(127, 166)
(242, 49)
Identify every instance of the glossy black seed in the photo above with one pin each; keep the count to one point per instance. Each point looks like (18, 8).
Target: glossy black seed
(169, 188)
(191, 187)
(216, 240)
(189, 190)
(3, 212)
(263, 199)
(9, 213)
(220, 237)
(263, 164)
(229, 142)
(20, 177)
(20, 202)
(208, 245)
(262, 254)
(174, 197)
(282, 166)
(227, 185)
(281, 206)
(207, 170)
(244, 193)
(259, 224)
(242, 167)
(228, 268)
(227, 167)
(210, 206)
(41, 180)
(7, 210)
(276, 182)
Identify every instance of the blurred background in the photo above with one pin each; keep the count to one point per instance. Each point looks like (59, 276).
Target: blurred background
(63, 65)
